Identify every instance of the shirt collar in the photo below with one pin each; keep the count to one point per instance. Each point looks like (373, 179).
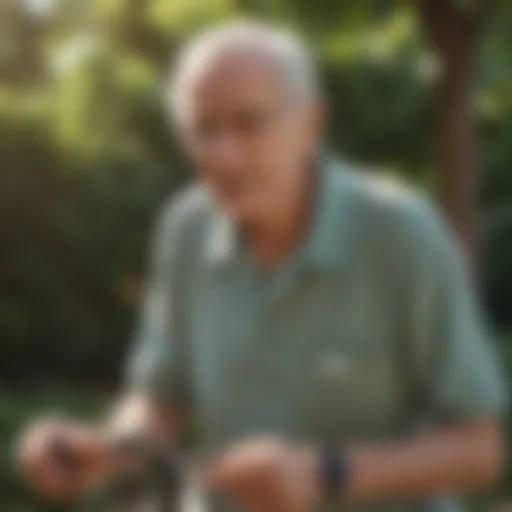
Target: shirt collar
(330, 241)
(223, 241)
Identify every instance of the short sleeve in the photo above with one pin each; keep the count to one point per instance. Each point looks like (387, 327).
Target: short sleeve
(157, 365)
(456, 360)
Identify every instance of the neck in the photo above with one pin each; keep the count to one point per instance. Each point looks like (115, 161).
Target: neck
(274, 239)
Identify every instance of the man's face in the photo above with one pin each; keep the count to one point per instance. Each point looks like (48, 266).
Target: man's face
(248, 135)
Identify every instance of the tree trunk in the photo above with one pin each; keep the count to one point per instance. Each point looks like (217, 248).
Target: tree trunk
(456, 143)
(453, 33)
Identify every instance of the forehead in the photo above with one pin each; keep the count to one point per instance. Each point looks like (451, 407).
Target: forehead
(234, 79)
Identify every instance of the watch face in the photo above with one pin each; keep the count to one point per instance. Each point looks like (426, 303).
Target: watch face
(334, 470)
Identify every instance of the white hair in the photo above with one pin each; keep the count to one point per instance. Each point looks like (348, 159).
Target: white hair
(284, 50)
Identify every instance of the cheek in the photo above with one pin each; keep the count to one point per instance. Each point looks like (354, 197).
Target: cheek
(271, 151)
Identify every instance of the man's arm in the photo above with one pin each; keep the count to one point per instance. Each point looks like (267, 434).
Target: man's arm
(460, 459)
(271, 474)
(455, 367)
(154, 403)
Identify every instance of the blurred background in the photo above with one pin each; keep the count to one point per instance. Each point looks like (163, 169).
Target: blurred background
(422, 88)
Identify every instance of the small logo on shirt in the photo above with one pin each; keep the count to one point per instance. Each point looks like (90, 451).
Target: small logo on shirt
(335, 366)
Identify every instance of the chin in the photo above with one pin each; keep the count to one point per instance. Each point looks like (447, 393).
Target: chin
(245, 212)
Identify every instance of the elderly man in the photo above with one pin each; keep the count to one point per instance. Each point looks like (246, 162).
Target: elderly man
(318, 324)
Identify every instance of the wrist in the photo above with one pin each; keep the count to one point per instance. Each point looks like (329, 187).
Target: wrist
(333, 471)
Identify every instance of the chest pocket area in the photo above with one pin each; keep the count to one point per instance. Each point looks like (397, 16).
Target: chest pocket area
(352, 389)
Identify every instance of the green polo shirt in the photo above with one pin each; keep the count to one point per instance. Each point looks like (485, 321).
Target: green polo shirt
(368, 332)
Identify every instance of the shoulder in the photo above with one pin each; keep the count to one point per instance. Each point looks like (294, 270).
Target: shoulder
(398, 222)
(392, 209)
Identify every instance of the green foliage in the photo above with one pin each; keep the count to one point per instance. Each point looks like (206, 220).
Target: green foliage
(87, 157)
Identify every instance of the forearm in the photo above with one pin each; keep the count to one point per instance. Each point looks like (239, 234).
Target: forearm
(456, 460)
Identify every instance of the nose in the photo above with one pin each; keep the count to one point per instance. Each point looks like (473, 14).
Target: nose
(225, 149)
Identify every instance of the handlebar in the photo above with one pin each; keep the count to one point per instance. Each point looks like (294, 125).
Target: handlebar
(166, 469)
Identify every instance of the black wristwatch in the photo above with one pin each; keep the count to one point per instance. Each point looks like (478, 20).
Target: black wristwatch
(334, 471)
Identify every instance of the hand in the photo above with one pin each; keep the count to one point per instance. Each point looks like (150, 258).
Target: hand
(267, 475)
(57, 475)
